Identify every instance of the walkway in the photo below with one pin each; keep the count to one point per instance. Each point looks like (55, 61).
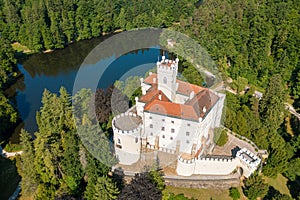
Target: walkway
(292, 110)
(10, 154)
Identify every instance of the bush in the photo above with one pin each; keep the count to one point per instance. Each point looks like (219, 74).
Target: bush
(234, 193)
(221, 138)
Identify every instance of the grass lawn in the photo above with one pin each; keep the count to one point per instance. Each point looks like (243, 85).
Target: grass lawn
(279, 183)
(201, 194)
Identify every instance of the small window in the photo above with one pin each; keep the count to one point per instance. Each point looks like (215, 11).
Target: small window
(150, 117)
(188, 124)
(172, 130)
(151, 134)
(171, 138)
(172, 122)
(163, 128)
(136, 140)
(119, 141)
(165, 80)
(163, 136)
(163, 120)
(151, 125)
(187, 141)
(187, 133)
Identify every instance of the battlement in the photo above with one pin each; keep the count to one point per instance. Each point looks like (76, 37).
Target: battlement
(127, 123)
(167, 65)
(248, 158)
(224, 159)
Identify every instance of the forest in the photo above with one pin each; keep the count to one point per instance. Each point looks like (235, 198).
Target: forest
(253, 42)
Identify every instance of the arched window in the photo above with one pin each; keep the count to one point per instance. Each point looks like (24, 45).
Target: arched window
(165, 80)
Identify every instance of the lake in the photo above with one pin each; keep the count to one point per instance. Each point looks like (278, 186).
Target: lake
(59, 68)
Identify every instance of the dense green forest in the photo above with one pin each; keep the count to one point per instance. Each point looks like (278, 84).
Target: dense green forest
(252, 41)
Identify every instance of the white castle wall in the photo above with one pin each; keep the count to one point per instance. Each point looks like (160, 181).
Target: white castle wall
(140, 108)
(206, 166)
(248, 166)
(219, 109)
(129, 141)
(145, 86)
(181, 128)
(218, 166)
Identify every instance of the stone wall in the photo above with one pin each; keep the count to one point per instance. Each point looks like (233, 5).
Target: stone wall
(220, 184)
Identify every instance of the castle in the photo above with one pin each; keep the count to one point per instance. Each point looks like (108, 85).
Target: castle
(177, 117)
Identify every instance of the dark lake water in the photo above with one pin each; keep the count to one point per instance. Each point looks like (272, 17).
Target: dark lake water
(59, 68)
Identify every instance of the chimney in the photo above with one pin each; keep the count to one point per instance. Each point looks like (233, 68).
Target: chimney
(159, 97)
(204, 109)
(177, 85)
(192, 94)
(150, 73)
(154, 80)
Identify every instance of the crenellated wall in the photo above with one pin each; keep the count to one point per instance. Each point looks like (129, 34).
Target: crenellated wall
(206, 166)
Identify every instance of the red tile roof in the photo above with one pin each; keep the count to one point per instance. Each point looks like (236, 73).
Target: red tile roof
(149, 79)
(183, 87)
(191, 110)
(186, 88)
(172, 109)
(153, 94)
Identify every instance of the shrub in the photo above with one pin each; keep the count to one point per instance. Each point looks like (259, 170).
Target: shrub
(222, 138)
(234, 193)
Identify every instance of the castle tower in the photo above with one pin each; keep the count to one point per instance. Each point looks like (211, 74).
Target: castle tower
(166, 77)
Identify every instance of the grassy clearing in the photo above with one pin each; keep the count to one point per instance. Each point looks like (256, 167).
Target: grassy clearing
(20, 48)
(279, 183)
(201, 194)
(289, 129)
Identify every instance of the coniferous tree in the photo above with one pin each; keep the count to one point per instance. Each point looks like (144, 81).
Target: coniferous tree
(272, 104)
(30, 179)
(255, 187)
(105, 188)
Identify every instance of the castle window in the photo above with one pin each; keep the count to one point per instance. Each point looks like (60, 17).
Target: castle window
(171, 138)
(163, 128)
(172, 122)
(163, 136)
(119, 141)
(165, 80)
(163, 120)
(151, 125)
(187, 133)
(136, 140)
(187, 141)
(151, 134)
(172, 130)
(188, 124)
(150, 117)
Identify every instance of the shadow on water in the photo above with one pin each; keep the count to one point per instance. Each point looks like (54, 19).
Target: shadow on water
(59, 68)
